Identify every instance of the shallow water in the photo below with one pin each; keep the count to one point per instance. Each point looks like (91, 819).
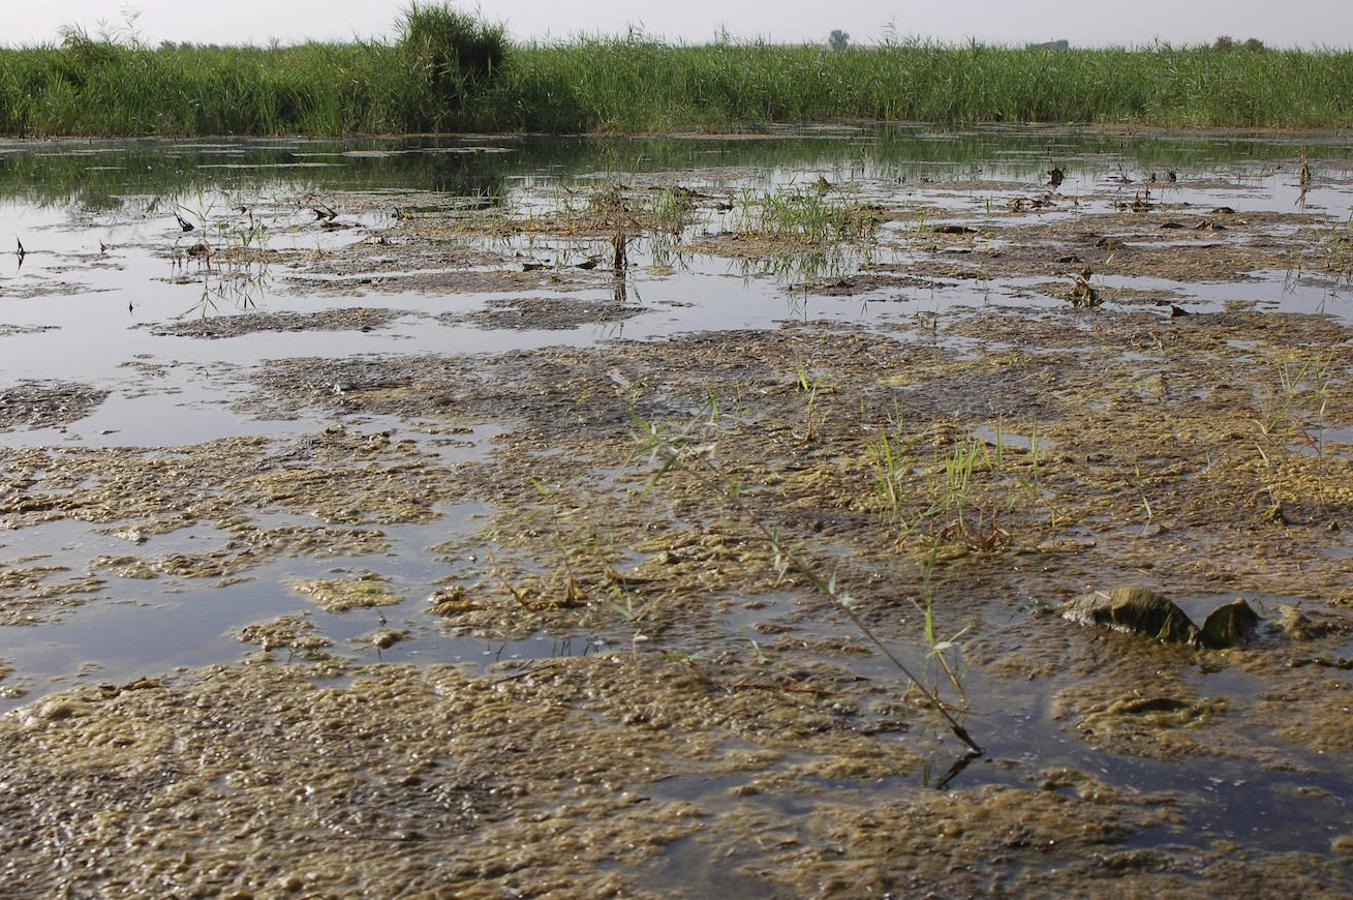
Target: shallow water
(63, 201)
(71, 311)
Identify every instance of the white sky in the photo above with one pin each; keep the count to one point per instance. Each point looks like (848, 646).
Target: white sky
(1302, 23)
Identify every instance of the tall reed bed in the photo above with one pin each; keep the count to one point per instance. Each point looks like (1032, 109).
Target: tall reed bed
(448, 71)
(634, 84)
(426, 80)
(106, 89)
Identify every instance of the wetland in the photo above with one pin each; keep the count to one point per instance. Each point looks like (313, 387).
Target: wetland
(826, 512)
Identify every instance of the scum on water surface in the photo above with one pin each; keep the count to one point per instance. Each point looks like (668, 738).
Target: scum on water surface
(328, 520)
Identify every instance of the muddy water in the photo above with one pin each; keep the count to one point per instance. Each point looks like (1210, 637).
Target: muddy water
(366, 432)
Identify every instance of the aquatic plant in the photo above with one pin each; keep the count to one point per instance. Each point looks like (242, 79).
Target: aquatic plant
(1301, 390)
(953, 493)
(426, 81)
(670, 210)
(228, 255)
(803, 216)
(1139, 485)
(1083, 293)
(890, 455)
(1332, 256)
(633, 83)
(671, 451)
(926, 605)
(939, 504)
(811, 386)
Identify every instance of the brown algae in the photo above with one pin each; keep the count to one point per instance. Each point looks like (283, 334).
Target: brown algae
(961, 475)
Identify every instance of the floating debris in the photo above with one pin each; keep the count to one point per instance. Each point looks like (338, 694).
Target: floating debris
(366, 591)
(1083, 294)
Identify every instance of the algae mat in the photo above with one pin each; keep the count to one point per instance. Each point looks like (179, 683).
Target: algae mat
(484, 524)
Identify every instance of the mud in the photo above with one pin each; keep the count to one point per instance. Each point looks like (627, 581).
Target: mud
(1085, 520)
(549, 315)
(296, 634)
(10, 687)
(1139, 245)
(698, 508)
(364, 590)
(354, 483)
(450, 797)
(428, 256)
(45, 288)
(457, 282)
(353, 319)
(34, 593)
(8, 330)
(46, 404)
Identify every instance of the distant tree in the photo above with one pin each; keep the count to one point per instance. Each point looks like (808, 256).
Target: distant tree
(1224, 42)
(839, 39)
(1254, 44)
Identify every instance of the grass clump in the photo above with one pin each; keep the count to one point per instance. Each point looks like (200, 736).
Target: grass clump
(803, 217)
(671, 451)
(453, 57)
(1337, 253)
(959, 497)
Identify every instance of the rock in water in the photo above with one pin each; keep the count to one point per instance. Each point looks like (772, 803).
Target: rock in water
(1135, 610)
(1229, 625)
(1138, 611)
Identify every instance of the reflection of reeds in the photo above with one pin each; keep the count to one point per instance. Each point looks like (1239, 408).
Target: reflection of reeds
(123, 176)
(619, 243)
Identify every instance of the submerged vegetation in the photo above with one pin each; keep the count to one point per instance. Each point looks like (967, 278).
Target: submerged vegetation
(447, 70)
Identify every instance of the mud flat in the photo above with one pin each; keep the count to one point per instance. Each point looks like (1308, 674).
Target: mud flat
(575, 540)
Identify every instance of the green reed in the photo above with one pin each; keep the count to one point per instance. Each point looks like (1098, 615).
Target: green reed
(448, 71)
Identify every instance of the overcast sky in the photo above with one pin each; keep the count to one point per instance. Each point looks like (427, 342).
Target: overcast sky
(1301, 23)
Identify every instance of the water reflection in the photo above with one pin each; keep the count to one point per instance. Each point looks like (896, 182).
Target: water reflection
(105, 174)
